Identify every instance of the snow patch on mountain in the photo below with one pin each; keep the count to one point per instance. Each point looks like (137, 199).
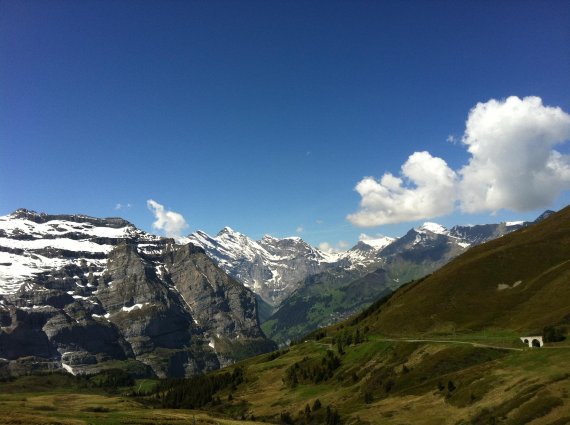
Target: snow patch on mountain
(272, 267)
(436, 228)
(32, 243)
(378, 243)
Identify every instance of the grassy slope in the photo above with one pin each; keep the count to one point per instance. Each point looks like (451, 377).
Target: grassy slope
(511, 387)
(489, 384)
(464, 294)
(58, 399)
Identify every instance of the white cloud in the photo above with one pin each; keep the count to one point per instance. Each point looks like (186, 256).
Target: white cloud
(319, 222)
(327, 247)
(512, 165)
(172, 223)
(451, 139)
(299, 229)
(120, 206)
(364, 237)
(426, 189)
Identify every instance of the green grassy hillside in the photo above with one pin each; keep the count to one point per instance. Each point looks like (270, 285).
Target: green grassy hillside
(519, 282)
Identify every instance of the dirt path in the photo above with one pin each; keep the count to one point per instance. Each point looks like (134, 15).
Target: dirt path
(449, 341)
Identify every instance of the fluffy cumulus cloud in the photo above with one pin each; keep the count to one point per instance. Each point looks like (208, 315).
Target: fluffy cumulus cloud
(363, 237)
(326, 247)
(170, 222)
(513, 164)
(340, 246)
(427, 188)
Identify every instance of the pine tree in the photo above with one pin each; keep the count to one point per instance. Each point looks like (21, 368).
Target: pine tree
(308, 411)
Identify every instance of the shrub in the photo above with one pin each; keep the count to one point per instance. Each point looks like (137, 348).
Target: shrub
(553, 334)
(285, 418)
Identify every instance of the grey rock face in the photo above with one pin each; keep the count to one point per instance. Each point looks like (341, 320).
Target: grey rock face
(482, 233)
(145, 302)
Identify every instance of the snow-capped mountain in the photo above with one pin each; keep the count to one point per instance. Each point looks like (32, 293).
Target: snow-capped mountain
(272, 267)
(481, 233)
(77, 292)
(432, 244)
(365, 253)
(33, 244)
(420, 251)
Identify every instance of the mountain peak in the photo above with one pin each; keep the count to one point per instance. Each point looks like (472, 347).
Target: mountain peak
(227, 230)
(24, 213)
(544, 215)
(379, 242)
(433, 228)
(294, 238)
(41, 218)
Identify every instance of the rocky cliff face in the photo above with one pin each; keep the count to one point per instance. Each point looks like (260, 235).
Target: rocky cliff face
(84, 294)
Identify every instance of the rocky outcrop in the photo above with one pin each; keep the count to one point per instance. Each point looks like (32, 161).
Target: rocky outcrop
(148, 305)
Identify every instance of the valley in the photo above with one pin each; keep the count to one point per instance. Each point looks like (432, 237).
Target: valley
(419, 354)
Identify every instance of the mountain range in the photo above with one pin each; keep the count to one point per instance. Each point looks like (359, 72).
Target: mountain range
(84, 293)
(301, 288)
(448, 348)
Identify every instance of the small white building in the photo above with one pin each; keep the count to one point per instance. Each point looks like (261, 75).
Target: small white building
(533, 341)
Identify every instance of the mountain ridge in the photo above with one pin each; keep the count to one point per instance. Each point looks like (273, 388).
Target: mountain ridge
(83, 293)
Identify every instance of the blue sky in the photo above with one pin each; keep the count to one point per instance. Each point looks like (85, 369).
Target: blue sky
(261, 115)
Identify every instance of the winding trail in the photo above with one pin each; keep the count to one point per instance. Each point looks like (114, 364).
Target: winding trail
(448, 341)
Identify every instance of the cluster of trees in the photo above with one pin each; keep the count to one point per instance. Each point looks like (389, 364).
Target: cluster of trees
(312, 370)
(312, 415)
(113, 378)
(319, 334)
(348, 338)
(553, 334)
(275, 354)
(196, 391)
